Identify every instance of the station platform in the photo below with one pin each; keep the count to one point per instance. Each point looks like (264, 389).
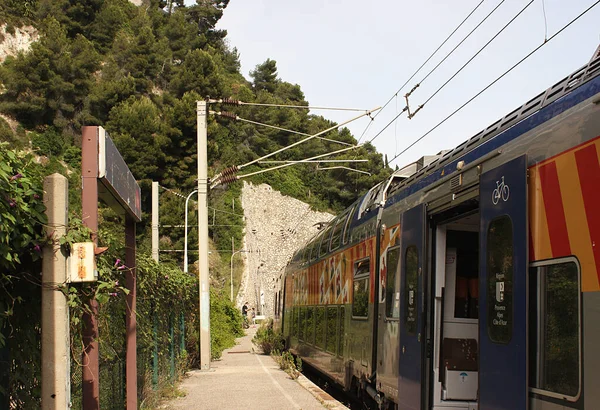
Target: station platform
(244, 378)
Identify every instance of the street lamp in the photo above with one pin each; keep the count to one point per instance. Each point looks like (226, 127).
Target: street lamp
(231, 279)
(185, 249)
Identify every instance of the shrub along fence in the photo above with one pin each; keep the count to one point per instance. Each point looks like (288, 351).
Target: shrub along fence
(167, 304)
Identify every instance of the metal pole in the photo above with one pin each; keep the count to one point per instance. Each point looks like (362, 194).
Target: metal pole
(155, 220)
(203, 237)
(56, 381)
(130, 311)
(232, 255)
(231, 271)
(185, 248)
(89, 202)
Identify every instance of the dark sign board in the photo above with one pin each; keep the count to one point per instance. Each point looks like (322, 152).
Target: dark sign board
(115, 176)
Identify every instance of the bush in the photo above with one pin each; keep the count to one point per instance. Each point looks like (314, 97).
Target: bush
(287, 363)
(267, 339)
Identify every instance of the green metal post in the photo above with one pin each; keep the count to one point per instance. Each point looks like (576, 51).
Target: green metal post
(182, 333)
(155, 353)
(172, 345)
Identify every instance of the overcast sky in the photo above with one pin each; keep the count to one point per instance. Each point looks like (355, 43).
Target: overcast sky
(357, 54)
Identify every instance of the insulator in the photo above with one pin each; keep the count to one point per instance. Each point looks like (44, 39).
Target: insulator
(229, 179)
(228, 115)
(230, 101)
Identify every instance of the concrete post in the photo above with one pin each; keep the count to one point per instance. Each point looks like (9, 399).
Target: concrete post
(155, 221)
(203, 237)
(56, 380)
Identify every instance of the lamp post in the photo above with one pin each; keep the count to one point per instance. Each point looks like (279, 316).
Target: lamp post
(185, 248)
(231, 279)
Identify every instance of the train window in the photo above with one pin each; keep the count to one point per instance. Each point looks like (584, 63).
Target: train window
(342, 321)
(554, 334)
(325, 242)
(500, 280)
(347, 225)
(392, 286)
(310, 325)
(360, 296)
(320, 327)
(336, 235)
(295, 322)
(302, 324)
(331, 328)
(411, 261)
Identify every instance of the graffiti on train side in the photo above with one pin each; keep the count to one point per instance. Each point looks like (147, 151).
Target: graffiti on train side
(328, 282)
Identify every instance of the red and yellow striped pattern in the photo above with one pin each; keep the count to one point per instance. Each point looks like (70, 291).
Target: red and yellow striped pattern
(564, 210)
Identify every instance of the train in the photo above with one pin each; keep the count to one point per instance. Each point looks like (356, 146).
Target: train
(469, 279)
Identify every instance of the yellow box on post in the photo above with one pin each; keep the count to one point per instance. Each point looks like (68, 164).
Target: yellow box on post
(81, 263)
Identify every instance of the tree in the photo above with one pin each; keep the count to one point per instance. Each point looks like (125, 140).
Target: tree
(265, 76)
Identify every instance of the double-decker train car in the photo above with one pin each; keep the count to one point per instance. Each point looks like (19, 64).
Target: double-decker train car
(467, 280)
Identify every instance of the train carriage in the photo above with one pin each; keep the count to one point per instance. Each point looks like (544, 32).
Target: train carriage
(470, 279)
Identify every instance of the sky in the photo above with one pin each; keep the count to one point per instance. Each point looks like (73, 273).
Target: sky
(357, 54)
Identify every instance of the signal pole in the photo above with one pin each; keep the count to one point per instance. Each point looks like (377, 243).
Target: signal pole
(204, 292)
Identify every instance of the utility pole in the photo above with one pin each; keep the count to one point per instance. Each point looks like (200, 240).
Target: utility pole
(201, 113)
(155, 220)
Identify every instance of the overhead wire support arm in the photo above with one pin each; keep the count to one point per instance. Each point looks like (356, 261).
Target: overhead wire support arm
(316, 162)
(230, 101)
(348, 168)
(310, 137)
(238, 118)
(299, 161)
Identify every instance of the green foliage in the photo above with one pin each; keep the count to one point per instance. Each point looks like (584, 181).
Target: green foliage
(286, 362)
(21, 209)
(267, 339)
(225, 323)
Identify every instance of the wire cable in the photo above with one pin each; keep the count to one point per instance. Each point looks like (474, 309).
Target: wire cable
(478, 52)
(461, 42)
(308, 107)
(496, 80)
(308, 138)
(422, 65)
(286, 130)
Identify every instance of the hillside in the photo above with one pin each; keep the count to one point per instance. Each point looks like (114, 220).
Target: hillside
(137, 70)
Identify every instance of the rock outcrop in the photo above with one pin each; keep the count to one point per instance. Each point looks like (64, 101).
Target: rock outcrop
(276, 226)
(19, 40)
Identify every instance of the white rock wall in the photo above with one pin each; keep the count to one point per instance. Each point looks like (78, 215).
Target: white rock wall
(276, 226)
(19, 41)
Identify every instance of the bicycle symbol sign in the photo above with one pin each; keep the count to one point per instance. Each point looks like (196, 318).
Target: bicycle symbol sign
(502, 191)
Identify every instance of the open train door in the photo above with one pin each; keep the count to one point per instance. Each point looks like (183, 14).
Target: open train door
(503, 241)
(411, 309)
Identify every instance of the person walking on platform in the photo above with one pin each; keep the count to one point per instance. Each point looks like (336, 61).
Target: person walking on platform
(246, 323)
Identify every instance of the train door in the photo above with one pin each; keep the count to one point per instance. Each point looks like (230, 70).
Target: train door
(503, 368)
(411, 310)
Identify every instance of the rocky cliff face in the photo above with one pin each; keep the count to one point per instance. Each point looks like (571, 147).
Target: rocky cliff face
(19, 40)
(276, 226)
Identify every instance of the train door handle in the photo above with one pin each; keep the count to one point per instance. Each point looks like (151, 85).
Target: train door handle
(403, 349)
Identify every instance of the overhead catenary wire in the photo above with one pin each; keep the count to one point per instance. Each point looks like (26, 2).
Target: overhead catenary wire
(478, 52)
(496, 80)
(421, 67)
(458, 71)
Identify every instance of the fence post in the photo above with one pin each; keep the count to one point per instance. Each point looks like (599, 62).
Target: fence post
(182, 332)
(56, 381)
(155, 352)
(172, 345)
